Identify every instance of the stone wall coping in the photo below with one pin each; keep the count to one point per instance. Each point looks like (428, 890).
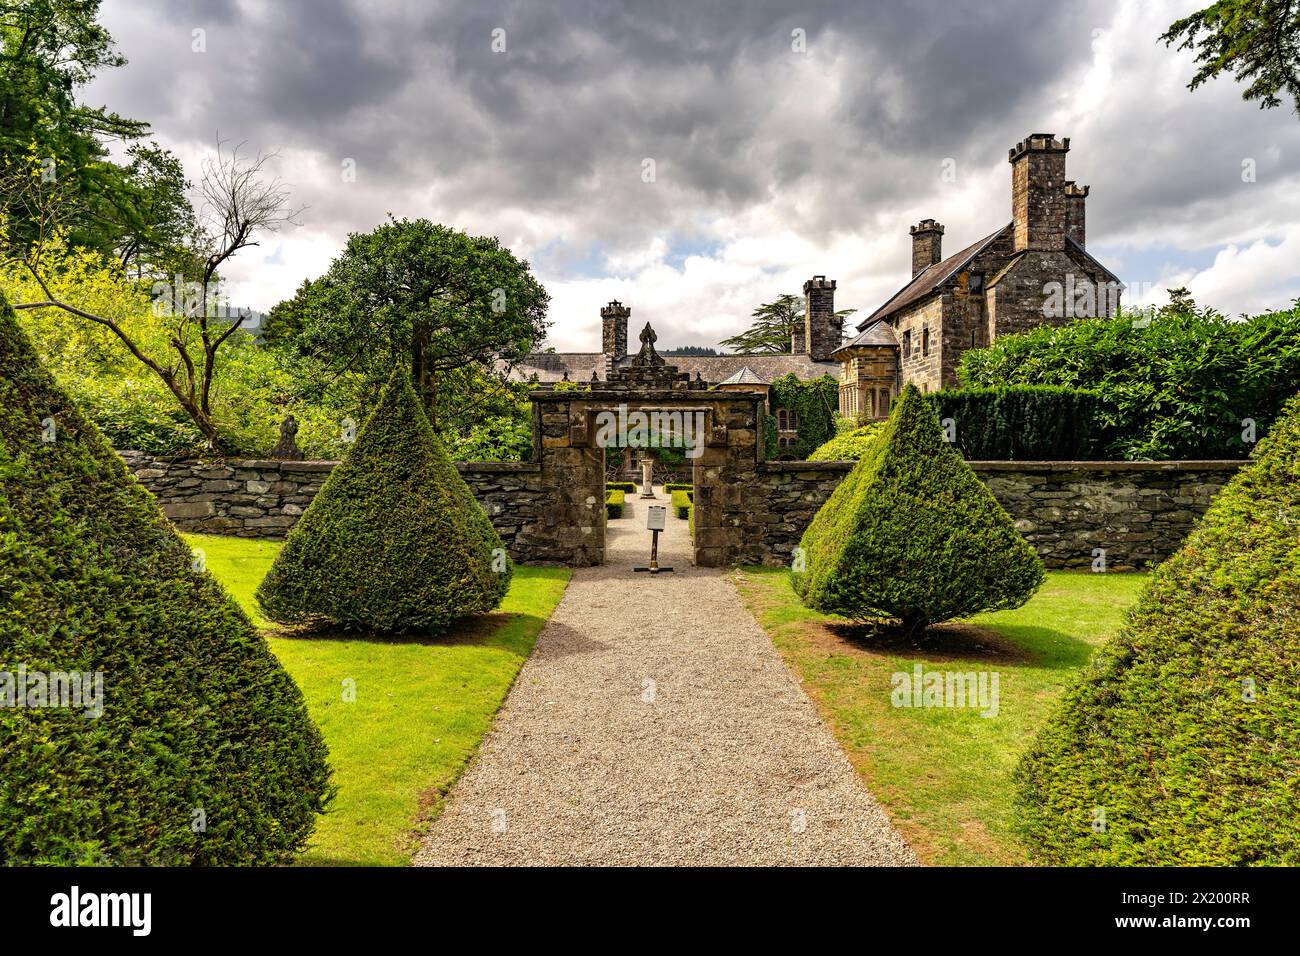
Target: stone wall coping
(1207, 464)
(797, 466)
(1200, 464)
(252, 464)
(499, 467)
(1211, 464)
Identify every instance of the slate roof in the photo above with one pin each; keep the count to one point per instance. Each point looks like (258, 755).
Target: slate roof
(931, 279)
(550, 367)
(745, 376)
(877, 333)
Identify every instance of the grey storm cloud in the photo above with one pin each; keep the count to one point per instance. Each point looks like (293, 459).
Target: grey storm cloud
(583, 82)
(548, 138)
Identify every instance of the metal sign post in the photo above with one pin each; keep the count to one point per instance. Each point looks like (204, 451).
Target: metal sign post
(656, 521)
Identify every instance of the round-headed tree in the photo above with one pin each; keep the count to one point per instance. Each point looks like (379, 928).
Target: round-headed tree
(1180, 742)
(394, 541)
(912, 534)
(143, 719)
(448, 306)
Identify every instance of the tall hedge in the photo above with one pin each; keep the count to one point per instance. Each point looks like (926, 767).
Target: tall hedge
(1023, 422)
(394, 541)
(1180, 744)
(1178, 384)
(912, 534)
(203, 752)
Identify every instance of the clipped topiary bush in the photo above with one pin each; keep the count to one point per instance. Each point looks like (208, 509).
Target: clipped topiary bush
(394, 541)
(615, 499)
(1180, 744)
(202, 752)
(912, 534)
(682, 503)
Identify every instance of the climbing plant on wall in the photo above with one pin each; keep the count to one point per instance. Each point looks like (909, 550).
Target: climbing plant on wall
(813, 402)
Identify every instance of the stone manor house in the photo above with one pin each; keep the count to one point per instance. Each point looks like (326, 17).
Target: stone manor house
(1031, 271)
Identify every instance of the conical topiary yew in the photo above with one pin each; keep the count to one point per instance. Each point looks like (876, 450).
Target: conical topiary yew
(912, 534)
(394, 541)
(143, 720)
(1180, 744)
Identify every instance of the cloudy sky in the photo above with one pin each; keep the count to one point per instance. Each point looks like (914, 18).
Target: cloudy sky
(787, 140)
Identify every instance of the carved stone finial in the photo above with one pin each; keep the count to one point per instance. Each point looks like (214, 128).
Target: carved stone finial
(287, 447)
(648, 355)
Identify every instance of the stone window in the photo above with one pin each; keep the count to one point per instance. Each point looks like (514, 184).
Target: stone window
(882, 403)
(907, 344)
(925, 340)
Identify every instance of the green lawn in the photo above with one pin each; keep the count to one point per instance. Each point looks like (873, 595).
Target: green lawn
(944, 774)
(420, 709)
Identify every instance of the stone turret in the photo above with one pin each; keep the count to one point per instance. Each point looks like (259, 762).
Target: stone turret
(927, 245)
(1038, 192)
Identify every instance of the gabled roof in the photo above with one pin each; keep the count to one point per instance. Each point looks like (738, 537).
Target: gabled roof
(745, 376)
(1074, 247)
(931, 279)
(878, 333)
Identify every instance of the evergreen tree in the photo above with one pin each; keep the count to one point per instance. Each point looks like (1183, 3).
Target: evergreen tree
(1180, 743)
(913, 534)
(395, 540)
(202, 751)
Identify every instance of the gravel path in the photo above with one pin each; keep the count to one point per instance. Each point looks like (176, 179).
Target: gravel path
(654, 724)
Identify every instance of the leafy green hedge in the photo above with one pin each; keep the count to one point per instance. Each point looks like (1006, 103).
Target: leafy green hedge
(912, 534)
(850, 445)
(678, 486)
(394, 541)
(628, 487)
(1023, 422)
(614, 501)
(204, 753)
(682, 504)
(1180, 743)
(1178, 384)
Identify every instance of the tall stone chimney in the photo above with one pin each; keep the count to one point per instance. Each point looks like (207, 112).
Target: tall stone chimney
(799, 338)
(1074, 219)
(613, 321)
(1038, 191)
(927, 245)
(823, 330)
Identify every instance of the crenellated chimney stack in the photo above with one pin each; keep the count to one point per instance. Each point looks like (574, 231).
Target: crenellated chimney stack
(1038, 191)
(823, 329)
(613, 321)
(1074, 217)
(927, 245)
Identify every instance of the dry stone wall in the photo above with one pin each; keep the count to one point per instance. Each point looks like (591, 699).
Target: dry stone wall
(1131, 514)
